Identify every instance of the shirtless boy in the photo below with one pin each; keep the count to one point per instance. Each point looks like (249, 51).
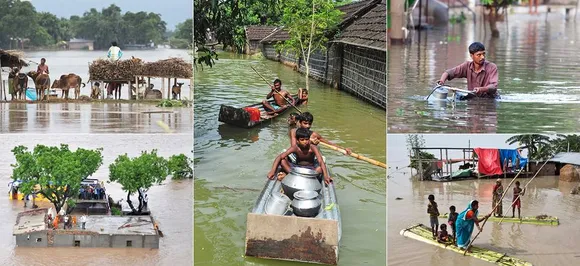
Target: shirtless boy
(305, 156)
(305, 120)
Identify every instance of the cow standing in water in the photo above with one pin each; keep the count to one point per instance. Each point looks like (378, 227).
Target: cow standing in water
(114, 87)
(176, 90)
(41, 82)
(69, 81)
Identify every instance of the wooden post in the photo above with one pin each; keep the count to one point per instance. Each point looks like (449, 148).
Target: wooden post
(448, 165)
(1, 85)
(137, 88)
(420, 165)
(162, 87)
(168, 88)
(129, 83)
(148, 86)
(104, 90)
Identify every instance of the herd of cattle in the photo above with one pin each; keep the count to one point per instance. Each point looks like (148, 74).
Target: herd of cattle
(73, 81)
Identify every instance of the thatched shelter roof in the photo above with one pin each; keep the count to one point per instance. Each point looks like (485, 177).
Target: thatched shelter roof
(12, 58)
(278, 35)
(258, 32)
(367, 29)
(351, 9)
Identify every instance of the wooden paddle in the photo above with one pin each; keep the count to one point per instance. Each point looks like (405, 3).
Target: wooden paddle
(358, 156)
(288, 101)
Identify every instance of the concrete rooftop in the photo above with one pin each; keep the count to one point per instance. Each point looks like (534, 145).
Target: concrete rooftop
(30, 221)
(110, 224)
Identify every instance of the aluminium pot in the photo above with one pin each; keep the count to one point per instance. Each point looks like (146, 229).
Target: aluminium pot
(277, 204)
(300, 178)
(306, 203)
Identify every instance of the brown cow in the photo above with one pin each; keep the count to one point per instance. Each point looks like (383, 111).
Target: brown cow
(41, 82)
(20, 86)
(176, 90)
(69, 81)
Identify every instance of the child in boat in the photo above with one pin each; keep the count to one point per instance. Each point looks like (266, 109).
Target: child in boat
(443, 236)
(303, 95)
(451, 220)
(516, 201)
(305, 156)
(292, 123)
(433, 215)
(305, 120)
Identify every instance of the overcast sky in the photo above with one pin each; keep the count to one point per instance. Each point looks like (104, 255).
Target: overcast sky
(171, 11)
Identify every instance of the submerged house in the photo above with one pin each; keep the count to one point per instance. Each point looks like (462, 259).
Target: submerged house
(354, 61)
(102, 231)
(81, 44)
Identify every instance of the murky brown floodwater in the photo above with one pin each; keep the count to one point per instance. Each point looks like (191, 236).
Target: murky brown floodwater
(170, 202)
(99, 117)
(539, 245)
(537, 60)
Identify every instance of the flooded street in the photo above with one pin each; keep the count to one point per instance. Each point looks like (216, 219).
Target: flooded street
(538, 82)
(539, 245)
(231, 163)
(170, 202)
(97, 117)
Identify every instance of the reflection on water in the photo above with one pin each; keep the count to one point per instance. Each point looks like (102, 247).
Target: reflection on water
(540, 245)
(77, 62)
(92, 118)
(232, 163)
(537, 62)
(170, 202)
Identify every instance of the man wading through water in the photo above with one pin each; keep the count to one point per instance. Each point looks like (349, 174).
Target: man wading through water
(482, 77)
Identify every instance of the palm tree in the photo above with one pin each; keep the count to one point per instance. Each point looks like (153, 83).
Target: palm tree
(533, 142)
(567, 143)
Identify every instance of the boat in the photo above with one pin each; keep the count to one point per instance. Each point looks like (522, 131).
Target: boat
(290, 237)
(241, 118)
(423, 233)
(15, 194)
(455, 94)
(537, 220)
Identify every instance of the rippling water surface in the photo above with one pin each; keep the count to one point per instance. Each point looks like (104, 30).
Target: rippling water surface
(231, 163)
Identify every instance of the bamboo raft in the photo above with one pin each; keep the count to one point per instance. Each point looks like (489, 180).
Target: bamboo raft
(537, 220)
(423, 233)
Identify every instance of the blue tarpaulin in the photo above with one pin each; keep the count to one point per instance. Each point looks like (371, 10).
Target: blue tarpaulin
(506, 154)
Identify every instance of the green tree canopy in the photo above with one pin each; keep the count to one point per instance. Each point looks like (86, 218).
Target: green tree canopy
(137, 174)
(180, 166)
(57, 171)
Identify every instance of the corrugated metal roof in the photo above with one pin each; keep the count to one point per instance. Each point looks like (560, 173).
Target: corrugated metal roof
(567, 157)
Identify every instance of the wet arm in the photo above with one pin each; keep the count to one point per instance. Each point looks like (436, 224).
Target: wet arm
(493, 81)
(459, 71)
(270, 94)
(293, 137)
(320, 161)
(319, 137)
(291, 98)
(282, 155)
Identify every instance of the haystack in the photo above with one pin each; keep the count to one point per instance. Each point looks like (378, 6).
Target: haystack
(122, 70)
(168, 68)
(569, 173)
(12, 58)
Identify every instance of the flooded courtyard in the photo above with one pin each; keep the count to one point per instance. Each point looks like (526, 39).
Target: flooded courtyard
(538, 82)
(537, 244)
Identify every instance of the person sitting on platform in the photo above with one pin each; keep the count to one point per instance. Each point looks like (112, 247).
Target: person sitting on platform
(306, 155)
(443, 236)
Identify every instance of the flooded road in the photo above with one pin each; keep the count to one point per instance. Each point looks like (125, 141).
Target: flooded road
(538, 82)
(539, 245)
(232, 163)
(97, 117)
(170, 202)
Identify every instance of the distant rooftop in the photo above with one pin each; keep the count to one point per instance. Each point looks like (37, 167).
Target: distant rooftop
(74, 40)
(567, 157)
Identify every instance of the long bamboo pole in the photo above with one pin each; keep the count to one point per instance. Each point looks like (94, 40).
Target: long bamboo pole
(288, 101)
(352, 154)
(493, 210)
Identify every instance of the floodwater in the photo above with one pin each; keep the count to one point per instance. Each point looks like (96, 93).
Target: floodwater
(97, 117)
(231, 163)
(539, 85)
(170, 202)
(539, 245)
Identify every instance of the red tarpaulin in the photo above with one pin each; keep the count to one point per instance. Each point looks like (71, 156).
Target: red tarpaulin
(488, 161)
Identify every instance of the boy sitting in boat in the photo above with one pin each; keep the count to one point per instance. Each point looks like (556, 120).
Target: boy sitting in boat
(443, 236)
(305, 120)
(306, 155)
(280, 97)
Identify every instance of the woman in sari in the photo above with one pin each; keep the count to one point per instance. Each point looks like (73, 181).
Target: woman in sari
(465, 223)
(497, 193)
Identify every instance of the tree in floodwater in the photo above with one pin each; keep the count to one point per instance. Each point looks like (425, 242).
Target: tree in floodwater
(308, 23)
(138, 174)
(180, 166)
(54, 172)
(495, 8)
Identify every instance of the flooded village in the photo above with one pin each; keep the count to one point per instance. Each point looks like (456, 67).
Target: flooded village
(336, 87)
(97, 122)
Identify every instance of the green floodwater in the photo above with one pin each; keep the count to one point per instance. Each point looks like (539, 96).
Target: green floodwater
(231, 163)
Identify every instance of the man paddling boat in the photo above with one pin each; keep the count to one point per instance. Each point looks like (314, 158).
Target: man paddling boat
(279, 98)
(482, 76)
